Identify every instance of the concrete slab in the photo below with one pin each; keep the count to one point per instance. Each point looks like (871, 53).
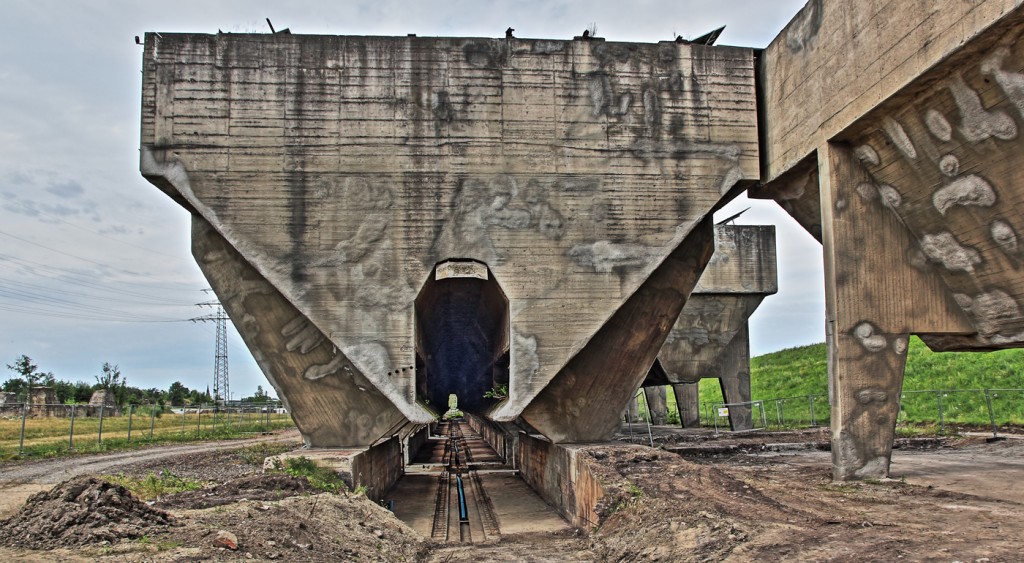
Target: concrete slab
(519, 509)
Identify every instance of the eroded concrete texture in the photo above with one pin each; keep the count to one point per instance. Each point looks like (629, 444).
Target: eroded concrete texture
(334, 173)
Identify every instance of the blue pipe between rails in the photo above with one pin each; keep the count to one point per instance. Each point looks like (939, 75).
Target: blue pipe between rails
(463, 511)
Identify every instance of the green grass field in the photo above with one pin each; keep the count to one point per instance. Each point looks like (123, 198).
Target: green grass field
(794, 374)
(51, 436)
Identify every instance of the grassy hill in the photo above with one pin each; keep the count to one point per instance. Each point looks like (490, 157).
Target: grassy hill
(803, 371)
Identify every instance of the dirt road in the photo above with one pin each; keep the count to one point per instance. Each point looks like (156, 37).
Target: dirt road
(18, 481)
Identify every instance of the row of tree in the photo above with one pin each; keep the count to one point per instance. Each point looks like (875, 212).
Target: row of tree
(28, 376)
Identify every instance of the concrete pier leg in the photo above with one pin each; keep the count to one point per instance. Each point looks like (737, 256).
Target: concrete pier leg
(657, 403)
(866, 317)
(733, 367)
(688, 404)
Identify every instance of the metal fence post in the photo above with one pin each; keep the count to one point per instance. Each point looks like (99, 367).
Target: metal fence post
(199, 420)
(942, 420)
(810, 399)
(99, 436)
(778, 411)
(131, 411)
(71, 432)
(152, 419)
(24, 415)
(991, 413)
(182, 420)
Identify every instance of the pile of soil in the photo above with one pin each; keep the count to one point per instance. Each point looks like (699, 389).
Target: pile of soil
(315, 528)
(79, 512)
(251, 487)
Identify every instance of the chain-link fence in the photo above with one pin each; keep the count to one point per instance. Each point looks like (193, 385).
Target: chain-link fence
(50, 429)
(939, 411)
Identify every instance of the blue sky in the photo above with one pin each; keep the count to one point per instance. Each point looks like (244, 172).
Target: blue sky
(94, 261)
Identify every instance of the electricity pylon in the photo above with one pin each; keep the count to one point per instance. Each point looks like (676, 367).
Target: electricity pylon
(221, 389)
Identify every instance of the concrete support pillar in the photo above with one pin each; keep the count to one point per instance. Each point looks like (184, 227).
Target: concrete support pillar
(688, 404)
(657, 403)
(733, 369)
(867, 350)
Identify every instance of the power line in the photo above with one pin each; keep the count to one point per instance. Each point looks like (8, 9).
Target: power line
(99, 234)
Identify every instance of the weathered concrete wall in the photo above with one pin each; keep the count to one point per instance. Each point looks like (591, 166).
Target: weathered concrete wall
(342, 169)
(377, 467)
(838, 60)
(502, 437)
(559, 476)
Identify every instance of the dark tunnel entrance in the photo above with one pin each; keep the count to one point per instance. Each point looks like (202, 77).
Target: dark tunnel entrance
(462, 339)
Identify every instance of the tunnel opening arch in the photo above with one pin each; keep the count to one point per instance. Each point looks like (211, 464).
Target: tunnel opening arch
(462, 337)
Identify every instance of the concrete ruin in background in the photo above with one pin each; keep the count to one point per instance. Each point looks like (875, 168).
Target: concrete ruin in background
(710, 338)
(328, 177)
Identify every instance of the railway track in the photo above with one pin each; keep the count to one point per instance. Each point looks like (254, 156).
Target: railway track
(463, 513)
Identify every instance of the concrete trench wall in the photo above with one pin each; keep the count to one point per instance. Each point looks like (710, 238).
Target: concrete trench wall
(557, 473)
(502, 441)
(379, 467)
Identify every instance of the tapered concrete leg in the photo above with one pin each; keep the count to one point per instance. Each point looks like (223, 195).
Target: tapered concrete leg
(733, 368)
(867, 338)
(688, 404)
(657, 403)
(866, 369)
(585, 399)
(332, 403)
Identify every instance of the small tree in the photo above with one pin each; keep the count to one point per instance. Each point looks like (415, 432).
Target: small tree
(177, 393)
(29, 374)
(110, 379)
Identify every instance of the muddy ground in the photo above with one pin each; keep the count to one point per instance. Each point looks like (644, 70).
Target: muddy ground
(951, 500)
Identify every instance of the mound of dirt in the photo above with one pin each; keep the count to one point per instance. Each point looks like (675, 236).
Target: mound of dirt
(252, 487)
(82, 511)
(315, 528)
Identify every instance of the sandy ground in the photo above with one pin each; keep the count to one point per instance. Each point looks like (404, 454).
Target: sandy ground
(954, 500)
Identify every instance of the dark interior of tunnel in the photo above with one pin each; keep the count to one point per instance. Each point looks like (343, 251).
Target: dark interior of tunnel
(461, 341)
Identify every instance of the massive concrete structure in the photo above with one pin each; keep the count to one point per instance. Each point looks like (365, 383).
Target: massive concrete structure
(369, 208)
(892, 132)
(340, 185)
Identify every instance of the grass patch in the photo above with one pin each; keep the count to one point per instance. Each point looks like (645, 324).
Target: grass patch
(153, 486)
(318, 476)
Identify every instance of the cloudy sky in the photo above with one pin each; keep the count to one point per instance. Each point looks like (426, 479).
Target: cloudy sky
(94, 261)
